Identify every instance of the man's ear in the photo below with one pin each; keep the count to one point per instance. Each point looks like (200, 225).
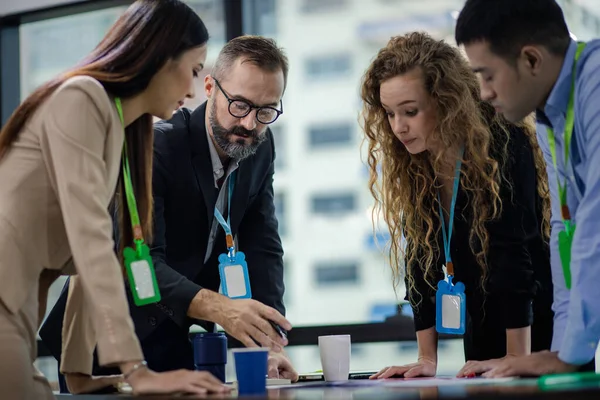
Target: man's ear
(209, 85)
(532, 58)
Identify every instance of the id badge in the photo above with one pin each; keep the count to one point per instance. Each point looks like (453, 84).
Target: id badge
(451, 308)
(235, 282)
(565, 242)
(142, 278)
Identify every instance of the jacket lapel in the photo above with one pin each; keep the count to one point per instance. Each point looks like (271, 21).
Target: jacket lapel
(201, 160)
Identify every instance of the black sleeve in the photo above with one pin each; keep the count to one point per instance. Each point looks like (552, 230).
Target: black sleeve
(259, 239)
(511, 282)
(421, 295)
(177, 292)
(51, 329)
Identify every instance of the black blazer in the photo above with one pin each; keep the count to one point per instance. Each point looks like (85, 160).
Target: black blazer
(518, 287)
(184, 201)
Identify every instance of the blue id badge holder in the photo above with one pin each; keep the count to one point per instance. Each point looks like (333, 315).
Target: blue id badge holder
(233, 271)
(451, 306)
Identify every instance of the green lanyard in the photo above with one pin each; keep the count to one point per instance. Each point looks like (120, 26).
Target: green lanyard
(138, 262)
(565, 238)
(138, 237)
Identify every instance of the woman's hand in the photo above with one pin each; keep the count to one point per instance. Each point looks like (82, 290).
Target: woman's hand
(146, 381)
(423, 367)
(80, 383)
(473, 368)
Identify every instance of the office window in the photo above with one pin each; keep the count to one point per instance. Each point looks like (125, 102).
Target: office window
(49, 47)
(332, 274)
(330, 44)
(262, 17)
(314, 6)
(333, 204)
(328, 66)
(332, 135)
(279, 201)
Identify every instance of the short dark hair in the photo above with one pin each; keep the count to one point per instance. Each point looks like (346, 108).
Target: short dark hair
(257, 50)
(508, 25)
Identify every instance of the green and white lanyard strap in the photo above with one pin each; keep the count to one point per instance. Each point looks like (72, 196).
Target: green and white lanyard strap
(565, 238)
(138, 261)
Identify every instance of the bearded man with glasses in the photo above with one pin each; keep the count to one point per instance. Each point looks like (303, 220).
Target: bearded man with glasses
(219, 157)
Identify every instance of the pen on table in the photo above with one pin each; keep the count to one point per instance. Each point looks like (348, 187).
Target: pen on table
(566, 379)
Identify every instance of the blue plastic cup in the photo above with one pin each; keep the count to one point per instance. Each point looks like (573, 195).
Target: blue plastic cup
(251, 370)
(210, 353)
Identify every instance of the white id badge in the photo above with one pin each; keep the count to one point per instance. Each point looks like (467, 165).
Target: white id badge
(235, 282)
(450, 311)
(450, 307)
(142, 276)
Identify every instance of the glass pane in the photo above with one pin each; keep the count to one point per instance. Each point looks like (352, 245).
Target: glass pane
(583, 18)
(51, 46)
(330, 136)
(329, 232)
(328, 211)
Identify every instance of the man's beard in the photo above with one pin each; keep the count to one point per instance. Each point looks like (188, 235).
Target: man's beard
(238, 149)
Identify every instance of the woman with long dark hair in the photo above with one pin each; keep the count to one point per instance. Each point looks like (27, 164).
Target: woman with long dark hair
(78, 143)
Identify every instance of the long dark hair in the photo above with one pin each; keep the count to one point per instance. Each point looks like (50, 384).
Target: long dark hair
(143, 39)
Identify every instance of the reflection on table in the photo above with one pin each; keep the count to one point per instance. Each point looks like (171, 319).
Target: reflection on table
(518, 388)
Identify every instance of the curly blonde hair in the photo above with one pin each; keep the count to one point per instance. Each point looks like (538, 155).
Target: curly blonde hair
(405, 186)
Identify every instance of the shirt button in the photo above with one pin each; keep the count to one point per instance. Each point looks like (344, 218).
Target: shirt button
(152, 321)
(593, 345)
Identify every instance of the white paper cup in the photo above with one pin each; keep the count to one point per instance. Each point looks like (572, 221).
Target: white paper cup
(335, 357)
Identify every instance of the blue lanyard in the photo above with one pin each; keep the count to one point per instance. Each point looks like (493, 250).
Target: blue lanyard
(227, 224)
(448, 237)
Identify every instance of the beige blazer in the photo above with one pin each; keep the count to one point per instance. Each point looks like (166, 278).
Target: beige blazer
(56, 184)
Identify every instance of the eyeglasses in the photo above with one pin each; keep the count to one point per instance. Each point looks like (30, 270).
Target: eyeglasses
(240, 108)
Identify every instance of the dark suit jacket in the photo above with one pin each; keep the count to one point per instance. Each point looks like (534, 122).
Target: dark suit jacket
(184, 201)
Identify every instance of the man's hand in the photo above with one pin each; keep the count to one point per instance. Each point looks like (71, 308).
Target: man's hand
(245, 319)
(281, 367)
(479, 367)
(536, 364)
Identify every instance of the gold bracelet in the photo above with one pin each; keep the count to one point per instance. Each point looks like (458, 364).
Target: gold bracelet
(134, 368)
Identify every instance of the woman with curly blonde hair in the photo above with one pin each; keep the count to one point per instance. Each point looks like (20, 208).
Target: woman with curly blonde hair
(426, 130)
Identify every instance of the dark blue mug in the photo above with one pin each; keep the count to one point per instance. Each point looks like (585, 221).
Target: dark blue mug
(210, 353)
